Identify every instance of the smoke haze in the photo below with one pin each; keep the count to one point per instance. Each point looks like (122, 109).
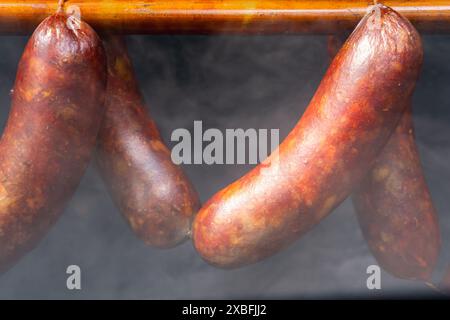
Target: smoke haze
(227, 82)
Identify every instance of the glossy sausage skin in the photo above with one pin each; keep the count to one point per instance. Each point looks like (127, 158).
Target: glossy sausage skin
(329, 151)
(394, 206)
(57, 108)
(395, 209)
(153, 194)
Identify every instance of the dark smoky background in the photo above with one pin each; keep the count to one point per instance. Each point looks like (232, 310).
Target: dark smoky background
(227, 82)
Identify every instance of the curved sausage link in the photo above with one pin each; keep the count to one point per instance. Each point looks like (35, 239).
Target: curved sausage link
(329, 151)
(57, 107)
(153, 194)
(395, 209)
(394, 205)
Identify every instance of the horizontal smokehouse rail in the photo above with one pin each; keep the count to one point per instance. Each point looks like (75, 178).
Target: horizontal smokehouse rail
(220, 16)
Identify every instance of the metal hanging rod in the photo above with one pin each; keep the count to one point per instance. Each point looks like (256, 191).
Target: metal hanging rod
(221, 17)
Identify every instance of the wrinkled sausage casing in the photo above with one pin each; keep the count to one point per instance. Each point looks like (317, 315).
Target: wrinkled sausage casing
(57, 107)
(395, 209)
(153, 194)
(350, 118)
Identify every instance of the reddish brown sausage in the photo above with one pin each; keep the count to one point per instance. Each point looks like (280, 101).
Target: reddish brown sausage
(152, 192)
(351, 116)
(395, 209)
(57, 107)
(394, 206)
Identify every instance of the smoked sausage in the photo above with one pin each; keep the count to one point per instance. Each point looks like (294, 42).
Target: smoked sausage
(395, 209)
(358, 104)
(153, 194)
(56, 112)
(394, 205)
